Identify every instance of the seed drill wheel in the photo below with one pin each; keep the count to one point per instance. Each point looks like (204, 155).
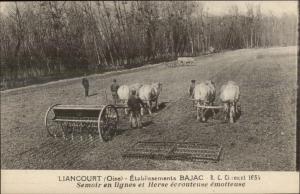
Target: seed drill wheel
(108, 122)
(54, 129)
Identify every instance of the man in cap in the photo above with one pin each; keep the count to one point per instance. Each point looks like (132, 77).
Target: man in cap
(192, 87)
(134, 104)
(85, 84)
(114, 88)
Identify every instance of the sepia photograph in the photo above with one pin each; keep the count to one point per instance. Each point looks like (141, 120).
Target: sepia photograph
(149, 85)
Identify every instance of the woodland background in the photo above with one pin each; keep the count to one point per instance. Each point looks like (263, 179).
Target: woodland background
(42, 41)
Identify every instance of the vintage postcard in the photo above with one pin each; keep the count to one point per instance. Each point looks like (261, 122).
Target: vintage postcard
(149, 97)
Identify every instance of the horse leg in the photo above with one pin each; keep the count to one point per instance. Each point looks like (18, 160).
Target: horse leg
(126, 109)
(149, 104)
(203, 111)
(142, 111)
(238, 109)
(198, 111)
(130, 116)
(232, 112)
(226, 111)
(213, 110)
(156, 104)
(131, 120)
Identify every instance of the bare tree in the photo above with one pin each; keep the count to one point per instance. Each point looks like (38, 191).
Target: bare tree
(58, 39)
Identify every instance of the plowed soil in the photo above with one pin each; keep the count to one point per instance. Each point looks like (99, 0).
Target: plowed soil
(263, 138)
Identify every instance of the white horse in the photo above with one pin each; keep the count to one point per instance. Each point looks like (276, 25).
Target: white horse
(204, 94)
(149, 94)
(135, 87)
(230, 95)
(124, 92)
(123, 95)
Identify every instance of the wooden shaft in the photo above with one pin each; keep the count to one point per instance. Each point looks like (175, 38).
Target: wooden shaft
(209, 107)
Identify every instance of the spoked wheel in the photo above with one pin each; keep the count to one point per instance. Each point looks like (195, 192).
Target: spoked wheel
(108, 122)
(54, 129)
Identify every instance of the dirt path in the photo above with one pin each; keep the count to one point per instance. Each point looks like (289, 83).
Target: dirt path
(262, 139)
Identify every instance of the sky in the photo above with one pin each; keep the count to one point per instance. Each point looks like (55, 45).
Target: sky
(221, 7)
(276, 7)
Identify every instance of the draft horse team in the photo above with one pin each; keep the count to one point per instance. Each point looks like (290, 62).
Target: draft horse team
(139, 97)
(204, 95)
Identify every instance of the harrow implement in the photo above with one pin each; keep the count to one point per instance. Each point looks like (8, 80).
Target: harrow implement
(188, 151)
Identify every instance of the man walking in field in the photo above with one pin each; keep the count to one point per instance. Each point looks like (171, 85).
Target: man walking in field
(85, 84)
(192, 87)
(114, 88)
(134, 104)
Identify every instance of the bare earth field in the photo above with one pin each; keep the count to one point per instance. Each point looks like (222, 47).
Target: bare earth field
(264, 137)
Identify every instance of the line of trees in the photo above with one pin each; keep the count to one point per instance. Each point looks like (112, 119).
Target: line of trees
(62, 38)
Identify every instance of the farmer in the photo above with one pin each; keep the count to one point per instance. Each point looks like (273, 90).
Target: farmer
(192, 87)
(85, 84)
(134, 104)
(114, 88)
